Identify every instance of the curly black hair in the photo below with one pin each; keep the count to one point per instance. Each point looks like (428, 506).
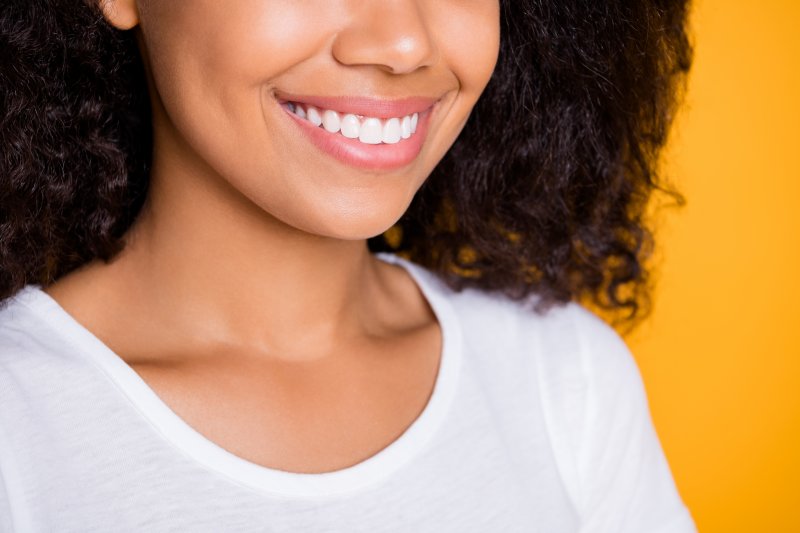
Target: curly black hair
(550, 203)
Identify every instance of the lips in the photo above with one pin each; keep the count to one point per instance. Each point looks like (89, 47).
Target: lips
(353, 152)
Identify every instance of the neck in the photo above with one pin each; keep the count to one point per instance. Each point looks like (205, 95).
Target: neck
(213, 265)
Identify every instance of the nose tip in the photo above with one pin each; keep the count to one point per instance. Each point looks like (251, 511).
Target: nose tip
(389, 34)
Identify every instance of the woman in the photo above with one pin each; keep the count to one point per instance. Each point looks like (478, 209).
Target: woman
(279, 265)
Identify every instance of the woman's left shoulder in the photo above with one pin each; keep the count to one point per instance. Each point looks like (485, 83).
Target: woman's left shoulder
(587, 385)
(564, 333)
(567, 341)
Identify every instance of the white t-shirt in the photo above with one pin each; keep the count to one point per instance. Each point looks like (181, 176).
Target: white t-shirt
(535, 424)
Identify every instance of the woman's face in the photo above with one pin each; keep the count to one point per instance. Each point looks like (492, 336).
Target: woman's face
(235, 78)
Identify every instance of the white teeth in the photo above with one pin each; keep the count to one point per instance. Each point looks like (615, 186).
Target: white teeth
(351, 126)
(391, 131)
(371, 131)
(331, 121)
(313, 116)
(368, 130)
(405, 127)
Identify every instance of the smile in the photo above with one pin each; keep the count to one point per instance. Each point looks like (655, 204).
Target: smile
(365, 133)
(368, 130)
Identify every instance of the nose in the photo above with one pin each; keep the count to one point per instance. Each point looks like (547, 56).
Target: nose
(393, 35)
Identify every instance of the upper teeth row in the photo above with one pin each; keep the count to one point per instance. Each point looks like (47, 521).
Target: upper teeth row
(368, 130)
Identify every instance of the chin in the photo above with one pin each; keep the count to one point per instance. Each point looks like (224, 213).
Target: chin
(354, 225)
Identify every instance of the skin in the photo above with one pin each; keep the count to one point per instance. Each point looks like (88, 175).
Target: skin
(246, 296)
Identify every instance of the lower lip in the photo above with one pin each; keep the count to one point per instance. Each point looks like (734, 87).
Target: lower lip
(367, 156)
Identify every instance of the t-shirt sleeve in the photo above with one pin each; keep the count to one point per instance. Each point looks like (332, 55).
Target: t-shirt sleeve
(621, 481)
(627, 483)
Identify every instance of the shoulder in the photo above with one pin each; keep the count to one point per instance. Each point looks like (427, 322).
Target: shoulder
(577, 344)
(19, 326)
(566, 339)
(598, 419)
(579, 365)
(563, 338)
(568, 349)
(46, 376)
(31, 348)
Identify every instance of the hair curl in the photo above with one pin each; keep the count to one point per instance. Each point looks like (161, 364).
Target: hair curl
(543, 193)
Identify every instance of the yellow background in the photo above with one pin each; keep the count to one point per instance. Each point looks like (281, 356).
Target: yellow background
(721, 353)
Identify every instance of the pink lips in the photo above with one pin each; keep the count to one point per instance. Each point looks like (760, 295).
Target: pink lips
(353, 152)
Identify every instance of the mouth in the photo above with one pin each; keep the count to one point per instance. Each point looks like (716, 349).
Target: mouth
(365, 133)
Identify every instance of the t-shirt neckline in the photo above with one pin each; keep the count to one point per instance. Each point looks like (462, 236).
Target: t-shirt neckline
(197, 447)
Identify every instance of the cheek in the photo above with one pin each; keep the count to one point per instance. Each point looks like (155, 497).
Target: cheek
(469, 36)
(210, 62)
(210, 58)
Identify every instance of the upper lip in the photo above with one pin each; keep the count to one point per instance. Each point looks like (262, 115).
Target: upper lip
(362, 105)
